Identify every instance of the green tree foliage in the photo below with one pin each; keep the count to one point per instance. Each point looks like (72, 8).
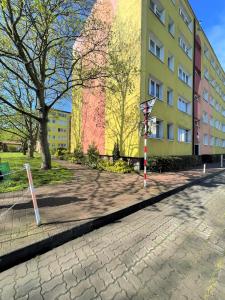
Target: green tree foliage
(37, 50)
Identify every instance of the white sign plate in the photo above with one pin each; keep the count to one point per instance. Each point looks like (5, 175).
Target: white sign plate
(150, 105)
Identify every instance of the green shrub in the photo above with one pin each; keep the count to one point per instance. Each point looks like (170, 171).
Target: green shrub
(116, 152)
(118, 166)
(78, 155)
(61, 152)
(173, 163)
(92, 156)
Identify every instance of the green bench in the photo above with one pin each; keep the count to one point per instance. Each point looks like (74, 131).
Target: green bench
(4, 171)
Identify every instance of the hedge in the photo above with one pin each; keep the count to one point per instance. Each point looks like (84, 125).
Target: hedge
(173, 163)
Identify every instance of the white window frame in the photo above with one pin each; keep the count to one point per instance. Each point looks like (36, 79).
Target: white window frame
(154, 46)
(157, 129)
(205, 140)
(184, 135)
(170, 131)
(184, 106)
(184, 76)
(157, 90)
(211, 141)
(171, 26)
(158, 10)
(211, 122)
(169, 97)
(185, 46)
(170, 62)
(205, 118)
(186, 18)
(205, 95)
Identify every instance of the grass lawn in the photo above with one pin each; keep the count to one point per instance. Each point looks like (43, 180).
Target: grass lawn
(18, 180)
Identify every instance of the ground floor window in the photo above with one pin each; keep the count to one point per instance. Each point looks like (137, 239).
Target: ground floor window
(184, 135)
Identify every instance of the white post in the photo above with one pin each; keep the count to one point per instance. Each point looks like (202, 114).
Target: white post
(221, 163)
(31, 186)
(204, 168)
(145, 143)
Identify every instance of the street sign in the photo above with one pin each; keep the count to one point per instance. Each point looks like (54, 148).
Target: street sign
(150, 104)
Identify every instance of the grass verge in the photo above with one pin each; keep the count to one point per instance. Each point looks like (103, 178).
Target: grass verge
(18, 180)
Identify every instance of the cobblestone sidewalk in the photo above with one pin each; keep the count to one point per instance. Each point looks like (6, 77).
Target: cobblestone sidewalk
(89, 195)
(171, 250)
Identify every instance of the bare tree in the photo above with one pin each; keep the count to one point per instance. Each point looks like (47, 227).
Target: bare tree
(36, 42)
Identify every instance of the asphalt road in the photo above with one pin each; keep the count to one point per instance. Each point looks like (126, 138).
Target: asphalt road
(172, 250)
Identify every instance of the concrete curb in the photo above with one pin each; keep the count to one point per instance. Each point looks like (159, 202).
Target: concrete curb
(23, 254)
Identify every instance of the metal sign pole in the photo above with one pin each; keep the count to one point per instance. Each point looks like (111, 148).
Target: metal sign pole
(145, 143)
(146, 107)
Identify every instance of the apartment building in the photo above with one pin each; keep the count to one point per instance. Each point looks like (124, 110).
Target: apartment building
(177, 65)
(59, 129)
(209, 98)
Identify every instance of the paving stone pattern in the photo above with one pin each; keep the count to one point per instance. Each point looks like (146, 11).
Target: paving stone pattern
(172, 250)
(89, 195)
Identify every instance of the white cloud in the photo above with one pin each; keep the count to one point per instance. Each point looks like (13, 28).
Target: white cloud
(216, 36)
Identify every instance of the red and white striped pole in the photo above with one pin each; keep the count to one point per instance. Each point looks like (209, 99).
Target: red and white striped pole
(31, 186)
(145, 143)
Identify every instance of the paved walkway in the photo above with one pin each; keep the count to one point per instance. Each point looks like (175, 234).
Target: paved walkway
(174, 249)
(89, 195)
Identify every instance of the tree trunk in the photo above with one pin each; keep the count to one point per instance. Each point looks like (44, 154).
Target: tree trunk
(43, 137)
(30, 151)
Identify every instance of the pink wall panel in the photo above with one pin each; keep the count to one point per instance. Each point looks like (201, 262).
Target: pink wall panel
(93, 117)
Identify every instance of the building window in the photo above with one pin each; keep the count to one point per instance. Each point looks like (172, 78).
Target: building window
(211, 121)
(170, 132)
(205, 118)
(171, 27)
(205, 139)
(217, 142)
(184, 76)
(184, 106)
(213, 64)
(217, 124)
(212, 101)
(184, 135)
(186, 18)
(223, 143)
(156, 48)
(218, 107)
(171, 62)
(158, 10)
(206, 74)
(205, 95)
(170, 97)
(206, 52)
(223, 127)
(157, 129)
(155, 89)
(185, 46)
(211, 141)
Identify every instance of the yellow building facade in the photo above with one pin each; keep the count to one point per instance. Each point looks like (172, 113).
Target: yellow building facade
(59, 129)
(156, 40)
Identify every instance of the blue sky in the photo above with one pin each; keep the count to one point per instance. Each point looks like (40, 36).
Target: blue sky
(212, 15)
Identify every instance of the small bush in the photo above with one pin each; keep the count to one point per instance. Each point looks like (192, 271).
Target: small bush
(118, 166)
(116, 152)
(61, 152)
(78, 155)
(92, 156)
